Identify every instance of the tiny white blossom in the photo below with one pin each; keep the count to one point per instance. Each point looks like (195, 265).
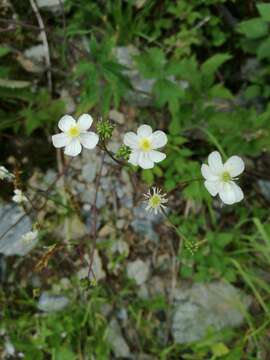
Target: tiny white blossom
(155, 200)
(220, 178)
(30, 236)
(75, 135)
(19, 197)
(143, 146)
(5, 174)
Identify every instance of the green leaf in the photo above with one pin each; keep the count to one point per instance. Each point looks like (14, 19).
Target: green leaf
(4, 51)
(148, 177)
(219, 91)
(264, 10)
(254, 28)
(263, 50)
(64, 353)
(220, 349)
(252, 92)
(151, 63)
(211, 65)
(165, 91)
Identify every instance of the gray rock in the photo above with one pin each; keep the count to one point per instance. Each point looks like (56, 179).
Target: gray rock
(141, 95)
(122, 314)
(118, 343)
(144, 222)
(52, 303)
(69, 102)
(52, 5)
(96, 267)
(36, 53)
(88, 197)
(264, 186)
(138, 271)
(117, 116)
(142, 87)
(89, 171)
(203, 306)
(12, 243)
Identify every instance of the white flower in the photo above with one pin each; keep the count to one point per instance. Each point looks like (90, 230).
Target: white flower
(155, 200)
(30, 236)
(75, 135)
(220, 178)
(143, 146)
(5, 174)
(19, 197)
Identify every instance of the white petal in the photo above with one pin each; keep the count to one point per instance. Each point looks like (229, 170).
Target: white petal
(238, 193)
(228, 194)
(89, 140)
(134, 157)
(60, 140)
(144, 131)
(66, 122)
(73, 148)
(144, 161)
(156, 156)
(159, 139)
(213, 187)
(131, 140)
(234, 165)
(85, 122)
(208, 174)
(215, 162)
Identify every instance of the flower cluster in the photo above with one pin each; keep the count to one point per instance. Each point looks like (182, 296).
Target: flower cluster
(19, 197)
(141, 149)
(30, 236)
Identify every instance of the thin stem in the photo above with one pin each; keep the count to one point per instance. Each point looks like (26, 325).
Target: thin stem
(45, 42)
(179, 234)
(111, 155)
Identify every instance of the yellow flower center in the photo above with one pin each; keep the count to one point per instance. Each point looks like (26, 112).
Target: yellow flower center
(155, 201)
(74, 132)
(145, 144)
(226, 177)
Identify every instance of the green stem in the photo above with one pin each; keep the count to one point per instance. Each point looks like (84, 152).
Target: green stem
(190, 181)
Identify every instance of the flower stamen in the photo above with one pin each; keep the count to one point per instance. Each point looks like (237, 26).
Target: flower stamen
(145, 144)
(74, 132)
(226, 177)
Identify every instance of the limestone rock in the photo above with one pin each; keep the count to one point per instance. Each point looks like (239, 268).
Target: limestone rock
(206, 306)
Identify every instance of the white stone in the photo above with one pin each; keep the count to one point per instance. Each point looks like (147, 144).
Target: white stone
(138, 271)
(119, 345)
(203, 306)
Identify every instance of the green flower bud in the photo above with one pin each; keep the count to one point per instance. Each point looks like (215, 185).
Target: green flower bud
(123, 152)
(191, 246)
(105, 129)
